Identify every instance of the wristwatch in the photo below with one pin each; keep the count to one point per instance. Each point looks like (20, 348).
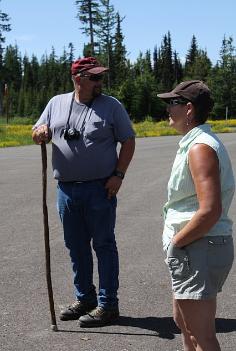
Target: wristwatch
(119, 174)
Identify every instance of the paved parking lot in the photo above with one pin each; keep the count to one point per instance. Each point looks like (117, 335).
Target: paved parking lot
(146, 316)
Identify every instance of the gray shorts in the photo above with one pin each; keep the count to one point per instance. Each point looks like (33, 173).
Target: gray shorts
(199, 270)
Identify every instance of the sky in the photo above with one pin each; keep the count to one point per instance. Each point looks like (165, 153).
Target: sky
(37, 26)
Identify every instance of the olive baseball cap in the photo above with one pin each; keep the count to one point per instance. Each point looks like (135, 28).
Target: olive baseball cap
(194, 91)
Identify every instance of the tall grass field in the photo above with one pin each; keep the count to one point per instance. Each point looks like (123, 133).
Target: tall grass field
(18, 131)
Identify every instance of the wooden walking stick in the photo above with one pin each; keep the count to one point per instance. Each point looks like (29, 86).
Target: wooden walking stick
(46, 237)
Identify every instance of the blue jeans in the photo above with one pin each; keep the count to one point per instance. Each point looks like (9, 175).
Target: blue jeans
(88, 216)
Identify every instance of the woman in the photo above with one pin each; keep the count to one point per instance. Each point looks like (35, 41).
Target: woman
(197, 231)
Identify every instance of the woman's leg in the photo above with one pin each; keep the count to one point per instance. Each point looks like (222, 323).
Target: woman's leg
(199, 321)
(186, 337)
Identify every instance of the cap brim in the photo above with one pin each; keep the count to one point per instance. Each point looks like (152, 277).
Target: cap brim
(168, 95)
(97, 70)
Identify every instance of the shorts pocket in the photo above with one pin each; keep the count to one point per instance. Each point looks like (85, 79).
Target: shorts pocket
(220, 252)
(220, 260)
(178, 262)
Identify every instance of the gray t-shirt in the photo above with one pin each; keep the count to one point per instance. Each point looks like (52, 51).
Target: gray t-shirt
(101, 125)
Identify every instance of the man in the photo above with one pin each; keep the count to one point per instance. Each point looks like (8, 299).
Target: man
(84, 127)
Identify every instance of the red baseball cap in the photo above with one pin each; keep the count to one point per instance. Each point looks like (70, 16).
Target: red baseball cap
(88, 64)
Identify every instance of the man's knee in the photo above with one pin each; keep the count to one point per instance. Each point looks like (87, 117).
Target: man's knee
(104, 245)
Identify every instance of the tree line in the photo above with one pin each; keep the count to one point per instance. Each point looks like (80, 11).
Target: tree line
(26, 84)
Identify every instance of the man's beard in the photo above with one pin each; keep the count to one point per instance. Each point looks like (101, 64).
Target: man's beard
(97, 91)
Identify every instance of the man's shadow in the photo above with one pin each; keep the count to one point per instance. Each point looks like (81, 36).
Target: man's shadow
(166, 328)
(162, 327)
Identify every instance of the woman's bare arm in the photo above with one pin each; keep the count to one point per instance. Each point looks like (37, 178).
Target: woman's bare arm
(204, 167)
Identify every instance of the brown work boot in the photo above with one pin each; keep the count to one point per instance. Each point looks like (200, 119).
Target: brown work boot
(99, 317)
(76, 310)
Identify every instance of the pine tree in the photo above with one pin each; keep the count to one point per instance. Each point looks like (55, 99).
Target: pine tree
(144, 100)
(105, 32)
(64, 65)
(156, 57)
(178, 69)
(166, 71)
(30, 90)
(4, 27)
(89, 16)
(190, 58)
(105, 37)
(71, 57)
(201, 67)
(119, 67)
(13, 76)
(223, 81)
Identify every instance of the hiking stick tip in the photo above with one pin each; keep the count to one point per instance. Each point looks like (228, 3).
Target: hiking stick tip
(54, 327)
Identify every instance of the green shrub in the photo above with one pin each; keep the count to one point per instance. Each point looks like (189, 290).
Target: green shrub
(20, 134)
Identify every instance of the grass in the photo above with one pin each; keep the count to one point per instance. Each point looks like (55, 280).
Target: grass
(149, 128)
(18, 131)
(15, 135)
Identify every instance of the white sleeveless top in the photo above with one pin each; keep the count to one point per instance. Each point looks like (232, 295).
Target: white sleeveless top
(182, 198)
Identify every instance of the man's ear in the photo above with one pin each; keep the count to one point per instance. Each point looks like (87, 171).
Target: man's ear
(75, 80)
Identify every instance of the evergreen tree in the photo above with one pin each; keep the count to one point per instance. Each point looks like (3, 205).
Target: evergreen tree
(64, 65)
(156, 59)
(32, 83)
(125, 90)
(13, 77)
(71, 57)
(54, 73)
(119, 65)
(148, 61)
(144, 102)
(178, 69)
(120, 50)
(223, 81)
(89, 16)
(105, 31)
(201, 67)
(166, 67)
(197, 64)
(44, 78)
(27, 103)
(190, 58)
(105, 37)
(4, 27)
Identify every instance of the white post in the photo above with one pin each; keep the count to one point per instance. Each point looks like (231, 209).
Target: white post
(226, 113)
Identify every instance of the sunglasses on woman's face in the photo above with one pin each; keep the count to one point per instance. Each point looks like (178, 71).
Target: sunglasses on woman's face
(93, 77)
(174, 102)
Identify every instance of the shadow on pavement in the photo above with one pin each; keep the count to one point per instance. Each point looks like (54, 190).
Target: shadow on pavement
(160, 327)
(225, 325)
(163, 327)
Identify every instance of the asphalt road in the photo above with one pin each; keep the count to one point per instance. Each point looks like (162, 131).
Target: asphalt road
(145, 296)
